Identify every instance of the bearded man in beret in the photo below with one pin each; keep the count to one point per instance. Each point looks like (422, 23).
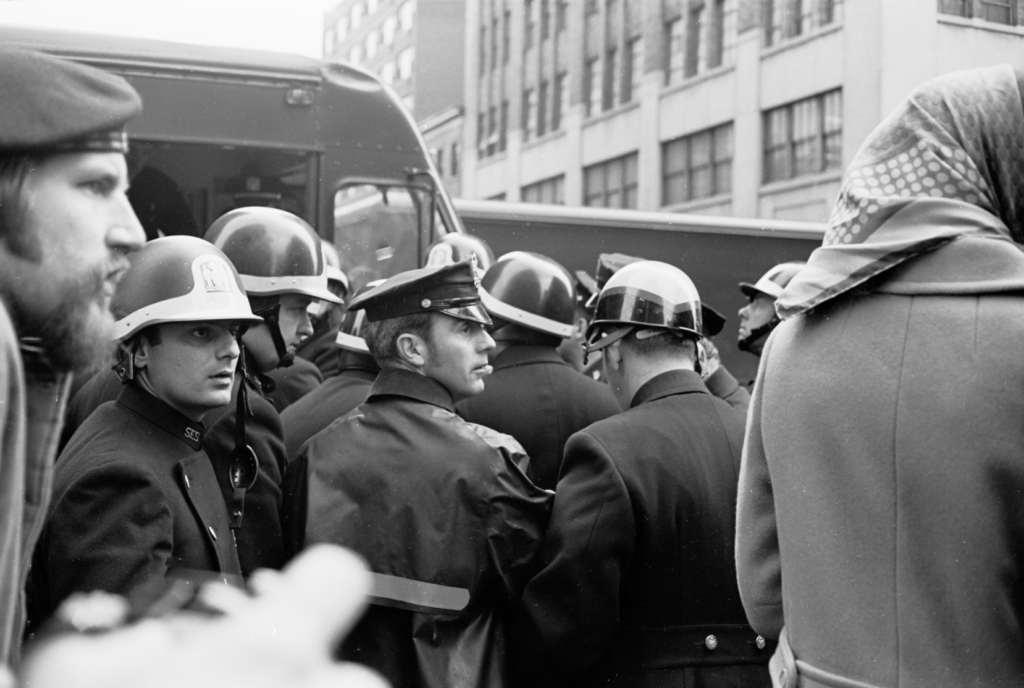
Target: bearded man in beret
(65, 227)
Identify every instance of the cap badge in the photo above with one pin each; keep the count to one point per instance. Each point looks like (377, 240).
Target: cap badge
(215, 276)
(476, 270)
(425, 303)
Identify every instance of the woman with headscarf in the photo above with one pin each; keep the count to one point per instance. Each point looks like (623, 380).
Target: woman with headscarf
(881, 503)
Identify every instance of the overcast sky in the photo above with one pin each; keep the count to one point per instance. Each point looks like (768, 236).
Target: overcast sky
(293, 26)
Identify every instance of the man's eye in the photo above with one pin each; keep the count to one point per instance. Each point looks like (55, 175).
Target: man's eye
(201, 332)
(100, 187)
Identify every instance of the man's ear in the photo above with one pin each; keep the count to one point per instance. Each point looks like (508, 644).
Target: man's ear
(613, 355)
(412, 349)
(579, 328)
(143, 352)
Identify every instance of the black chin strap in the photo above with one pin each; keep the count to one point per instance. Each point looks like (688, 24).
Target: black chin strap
(243, 468)
(272, 316)
(754, 342)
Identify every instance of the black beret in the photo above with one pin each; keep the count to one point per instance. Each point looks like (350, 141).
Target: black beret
(51, 104)
(451, 289)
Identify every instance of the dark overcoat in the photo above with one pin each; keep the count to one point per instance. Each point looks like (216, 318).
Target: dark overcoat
(446, 520)
(293, 382)
(324, 405)
(134, 500)
(540, 400)
(637, 566)
(881, 511)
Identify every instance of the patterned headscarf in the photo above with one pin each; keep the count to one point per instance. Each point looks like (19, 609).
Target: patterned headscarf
(949, 161)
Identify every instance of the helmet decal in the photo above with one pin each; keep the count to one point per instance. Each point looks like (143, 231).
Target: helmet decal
(215, 275)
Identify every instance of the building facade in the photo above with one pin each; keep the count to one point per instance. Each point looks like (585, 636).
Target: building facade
(415, 46)
(750, 108)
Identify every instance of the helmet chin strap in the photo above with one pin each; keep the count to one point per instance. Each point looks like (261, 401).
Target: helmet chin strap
(272, 317)
(754, 342)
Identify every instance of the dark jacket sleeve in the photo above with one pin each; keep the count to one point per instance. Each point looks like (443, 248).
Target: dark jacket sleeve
(293, 512)
(758, 565)
(293, 382)
(569, 612)
(111, 530)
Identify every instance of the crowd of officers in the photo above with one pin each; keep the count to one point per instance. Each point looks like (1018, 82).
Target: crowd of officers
(530, 462)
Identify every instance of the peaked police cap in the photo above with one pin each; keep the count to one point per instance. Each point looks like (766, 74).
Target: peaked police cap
(450, 289)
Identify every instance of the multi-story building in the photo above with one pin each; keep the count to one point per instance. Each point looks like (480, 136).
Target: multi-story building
(416, 46)
(741, 107)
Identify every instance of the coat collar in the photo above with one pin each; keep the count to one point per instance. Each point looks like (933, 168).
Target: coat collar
(667, 384)
(721, 383)
(405, 383)
(523, 354)
(162, 415)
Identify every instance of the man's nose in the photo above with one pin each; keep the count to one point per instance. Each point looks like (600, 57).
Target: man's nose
(486, 342)
(126, 234)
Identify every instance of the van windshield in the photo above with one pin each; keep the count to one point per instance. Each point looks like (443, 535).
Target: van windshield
(377, 229)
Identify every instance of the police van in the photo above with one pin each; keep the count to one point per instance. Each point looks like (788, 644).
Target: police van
(223, 128)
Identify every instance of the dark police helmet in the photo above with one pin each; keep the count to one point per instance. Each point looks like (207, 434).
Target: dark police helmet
(531, 290)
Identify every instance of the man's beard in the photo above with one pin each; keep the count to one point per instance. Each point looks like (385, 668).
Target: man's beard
(76, 335)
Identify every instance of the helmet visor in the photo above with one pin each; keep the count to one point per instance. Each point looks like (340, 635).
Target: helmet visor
(628, 304)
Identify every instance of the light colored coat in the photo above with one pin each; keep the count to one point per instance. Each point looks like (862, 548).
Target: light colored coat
(881, 501)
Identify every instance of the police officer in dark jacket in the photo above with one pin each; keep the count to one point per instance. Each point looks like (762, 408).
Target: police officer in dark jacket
(280, 260)
(447, 521)
(637, 585)
(339, 394)
(533, 394)
(135, 500)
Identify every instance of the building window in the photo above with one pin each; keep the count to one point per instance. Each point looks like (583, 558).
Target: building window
(481, 138)
(716, 34)
(372, 41)
(405, 14)
(691, 55)
(405, 60)
(545, 19)
(786, 19)
(355, 55)
(697, 166)
(591, 90)
(494, 43)
(341, 28)
(371, 7)
(804, 137)
(439, 159)
(632, 70)
(492, 134)
(483, 50)
(610, 89)
(506, 37)
(559, 101)
(959, 8)
(503, 135)
(551, 191)
(529, 23)
(999, 11)
(611, 184)
(673, 51)
(357, 15)
(542, 108)
(455, 159)
(328, 41)
(387, 73)
(561, 15)
(529, 112)
(390, 24)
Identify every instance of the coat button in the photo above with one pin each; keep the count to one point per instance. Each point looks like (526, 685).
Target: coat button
(212, 532)
(711, 642)
(188, 485)
(760, 642)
